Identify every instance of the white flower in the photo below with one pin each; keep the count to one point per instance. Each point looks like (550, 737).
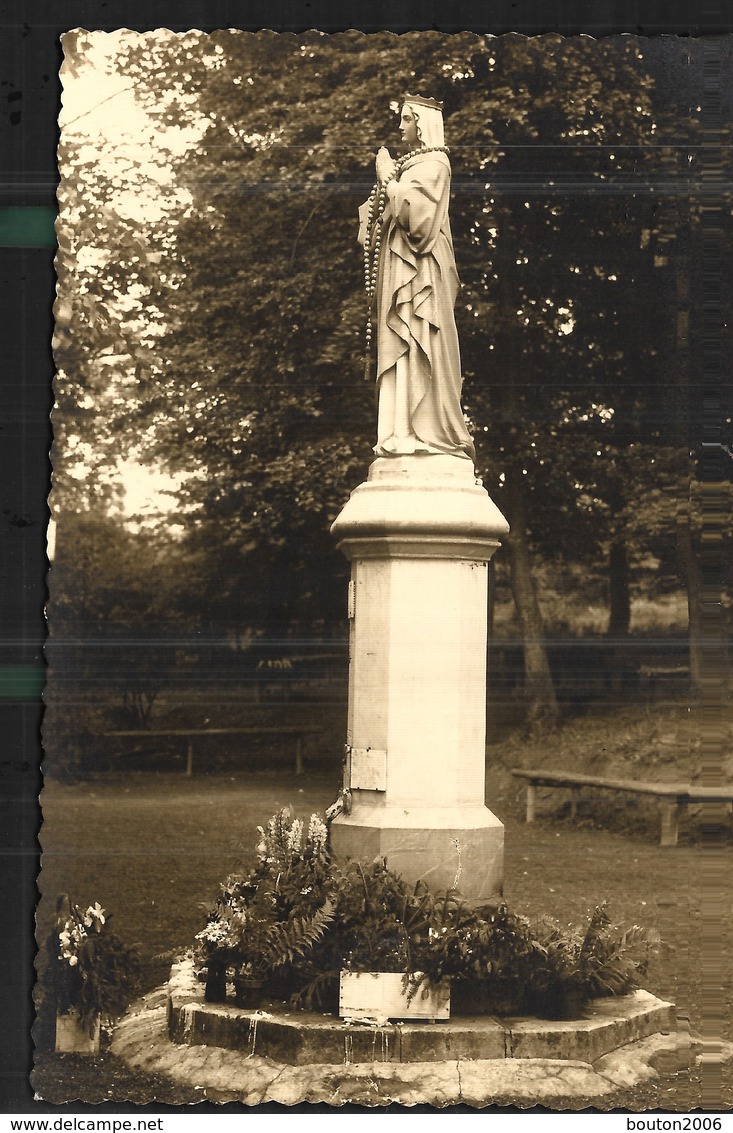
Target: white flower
(294, 837)
(73, 961)
(317, 833)
(213, 933)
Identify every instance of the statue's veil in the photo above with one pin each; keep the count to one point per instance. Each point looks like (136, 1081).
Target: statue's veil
(429, 124)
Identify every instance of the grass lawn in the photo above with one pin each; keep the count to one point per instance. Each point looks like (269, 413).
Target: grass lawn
(152, 849)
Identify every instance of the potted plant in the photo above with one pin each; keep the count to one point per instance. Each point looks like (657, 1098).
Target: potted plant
(266, 919)
(262, 943)
(482, 951)
(368, 963)
(92, 975)
(248, 986)
(388, 926)
(400, 951)
(213, 954)
(571, 968)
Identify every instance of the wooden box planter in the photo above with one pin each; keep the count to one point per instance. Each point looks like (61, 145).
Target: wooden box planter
(73, 1038)
(383, 995)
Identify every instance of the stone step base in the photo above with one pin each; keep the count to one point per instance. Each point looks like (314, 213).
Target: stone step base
(300, 1039)
(141, 1040)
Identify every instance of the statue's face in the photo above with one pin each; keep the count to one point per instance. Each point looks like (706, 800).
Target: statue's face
(408, 127)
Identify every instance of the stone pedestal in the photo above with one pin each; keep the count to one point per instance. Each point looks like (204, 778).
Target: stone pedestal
(419, 533)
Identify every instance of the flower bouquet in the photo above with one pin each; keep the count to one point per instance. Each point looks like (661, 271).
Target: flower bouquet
(93, 972)
(264, 920)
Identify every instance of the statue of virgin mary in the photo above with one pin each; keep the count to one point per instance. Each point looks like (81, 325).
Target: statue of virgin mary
(418, 361)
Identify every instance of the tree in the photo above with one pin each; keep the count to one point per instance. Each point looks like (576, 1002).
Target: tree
(115, 275)
(294, 381)
(697, 132)
(121, 608)
(256, 387)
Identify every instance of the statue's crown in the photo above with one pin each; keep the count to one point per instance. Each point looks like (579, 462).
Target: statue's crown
(418, 100)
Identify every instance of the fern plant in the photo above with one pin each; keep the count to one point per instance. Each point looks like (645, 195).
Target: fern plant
(483, 951)
(261, 945)
(379, 924)
(571, 968)
(298, 919)
(266, 919)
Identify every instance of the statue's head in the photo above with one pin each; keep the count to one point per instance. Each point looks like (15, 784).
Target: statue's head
(422, 121)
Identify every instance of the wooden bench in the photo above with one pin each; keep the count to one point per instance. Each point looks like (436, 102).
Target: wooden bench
(672, 796)
(297, 730)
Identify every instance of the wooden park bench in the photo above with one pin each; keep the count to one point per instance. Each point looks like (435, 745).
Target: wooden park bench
(189, 734)
(672, 796)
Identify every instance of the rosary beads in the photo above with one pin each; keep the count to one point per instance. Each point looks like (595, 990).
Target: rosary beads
(373, 238)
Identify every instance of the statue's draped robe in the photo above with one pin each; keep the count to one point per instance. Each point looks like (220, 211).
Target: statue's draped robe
(418, 361)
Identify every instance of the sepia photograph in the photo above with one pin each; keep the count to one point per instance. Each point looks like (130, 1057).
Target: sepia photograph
(388, 737)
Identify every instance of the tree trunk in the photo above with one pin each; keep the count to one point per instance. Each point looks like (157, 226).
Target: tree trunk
(686, 435)
(619, 591)
(690, 565)
(542, 710)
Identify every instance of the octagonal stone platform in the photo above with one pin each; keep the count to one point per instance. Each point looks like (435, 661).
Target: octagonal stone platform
(300, 1038)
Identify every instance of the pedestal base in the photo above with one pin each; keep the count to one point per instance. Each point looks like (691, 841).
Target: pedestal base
(447, 848)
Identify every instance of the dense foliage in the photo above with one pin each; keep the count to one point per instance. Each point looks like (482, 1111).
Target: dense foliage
(225, 338)
(276, 914)
(299, 919)
(92, 971)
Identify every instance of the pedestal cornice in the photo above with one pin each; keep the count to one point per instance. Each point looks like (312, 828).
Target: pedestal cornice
(420, 507)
